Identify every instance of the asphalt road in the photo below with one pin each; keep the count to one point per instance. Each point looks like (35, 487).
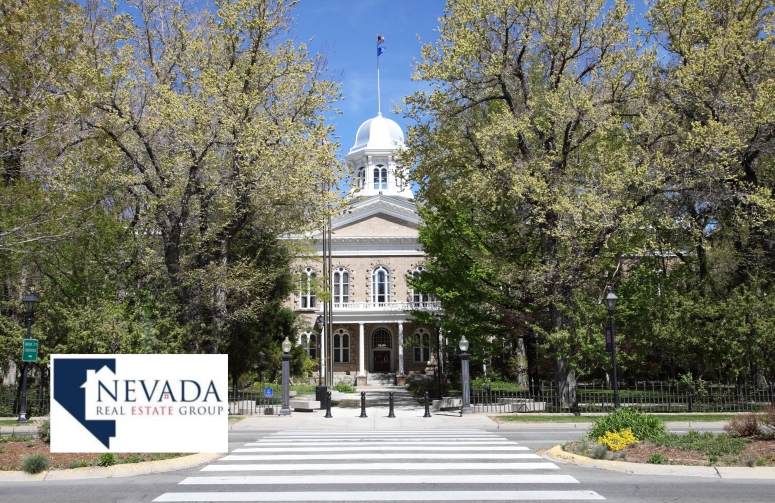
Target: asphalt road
(612, 486)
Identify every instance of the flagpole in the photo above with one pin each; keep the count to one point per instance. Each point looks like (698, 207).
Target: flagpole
(379, 99)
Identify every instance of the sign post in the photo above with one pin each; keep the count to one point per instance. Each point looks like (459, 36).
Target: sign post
(30, 350)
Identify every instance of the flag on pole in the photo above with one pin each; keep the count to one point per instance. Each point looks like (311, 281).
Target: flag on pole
(380, 50)
(380, 39)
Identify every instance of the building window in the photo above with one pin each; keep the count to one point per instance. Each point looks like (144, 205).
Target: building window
(309, 341)
(306, 296)
(341, 346)
(422, 348)
(380, 285)
(381, 338)
(419, 299)
(362, 177)
(341, 286)
(380, 177)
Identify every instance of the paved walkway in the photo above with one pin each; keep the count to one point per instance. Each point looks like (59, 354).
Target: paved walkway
(346, 415)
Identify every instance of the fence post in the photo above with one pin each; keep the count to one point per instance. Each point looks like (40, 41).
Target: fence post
(772, 395)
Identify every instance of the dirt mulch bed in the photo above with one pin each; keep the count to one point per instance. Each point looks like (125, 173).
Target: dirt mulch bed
(12, 452)
(760, 452)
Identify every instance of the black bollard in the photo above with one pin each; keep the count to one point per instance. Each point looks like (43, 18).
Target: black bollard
(391, 405)
(363, 404)
(427, 410)
(328, 405)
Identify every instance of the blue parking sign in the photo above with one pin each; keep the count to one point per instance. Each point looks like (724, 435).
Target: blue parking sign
(268, 392)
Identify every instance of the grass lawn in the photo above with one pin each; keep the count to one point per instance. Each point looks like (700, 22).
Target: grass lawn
(695, 418)
(11, 422)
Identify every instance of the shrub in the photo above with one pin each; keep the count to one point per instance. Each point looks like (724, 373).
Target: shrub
(761, 462)
(616, 441)
(79, 463)
(132, 459)
(743, 425)
(750, 462)
(35, 463)
(767, 419)
(643, 426)
(706, 443)
(343, 387)
(600, 451)
(657, 459)
(107, 459)
(44, 431)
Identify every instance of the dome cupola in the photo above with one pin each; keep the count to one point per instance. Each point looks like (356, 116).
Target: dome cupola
(371, 158)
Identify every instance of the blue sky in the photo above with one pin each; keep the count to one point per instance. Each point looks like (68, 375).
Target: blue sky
(347, 30)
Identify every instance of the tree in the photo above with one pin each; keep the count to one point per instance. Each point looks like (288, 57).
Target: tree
(532, 127)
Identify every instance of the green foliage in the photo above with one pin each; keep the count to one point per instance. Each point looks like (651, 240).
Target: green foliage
(79, 463)
(44, 431)
(132, 459)
(657, 459)
(600, 451)
(707, 443)
(107, 459)
(35, 463)
(343, 387)
(643, 426)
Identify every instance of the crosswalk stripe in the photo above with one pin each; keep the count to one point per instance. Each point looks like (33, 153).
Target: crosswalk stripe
(389, 455)
(310, 467)
(380, 443)
(383, 479)
(404, 448)
(381, 496)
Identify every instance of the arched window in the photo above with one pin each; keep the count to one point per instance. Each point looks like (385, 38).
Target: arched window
(380, 285)
(306, 296)
(380, 177)
(362, 177)
(341, 346)
(419, 299)
(422, 348)
(341, 286)
(309, 341)
(381, 338)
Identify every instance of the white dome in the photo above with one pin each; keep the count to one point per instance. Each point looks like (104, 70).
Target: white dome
(378, 133)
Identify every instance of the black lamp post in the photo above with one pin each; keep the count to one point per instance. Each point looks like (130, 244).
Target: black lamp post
(611, 299)
(285, 410)
(320, 391)
(466, 409)
(30, 301)
(437, 323)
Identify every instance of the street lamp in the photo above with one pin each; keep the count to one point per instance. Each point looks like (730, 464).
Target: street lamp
(285, 410)
(466, 409)
(320, 391)
(437, 323)
(610, 300)
(30, 301)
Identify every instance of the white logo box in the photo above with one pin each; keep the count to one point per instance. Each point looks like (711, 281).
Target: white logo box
(139, 403)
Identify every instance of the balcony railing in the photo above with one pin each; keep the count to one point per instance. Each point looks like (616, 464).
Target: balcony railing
(387, 306)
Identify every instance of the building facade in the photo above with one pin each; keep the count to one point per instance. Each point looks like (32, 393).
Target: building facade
(374, 248)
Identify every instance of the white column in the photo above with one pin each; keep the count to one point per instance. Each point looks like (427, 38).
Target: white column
(322, 349)
(361, 352)
(400, 348)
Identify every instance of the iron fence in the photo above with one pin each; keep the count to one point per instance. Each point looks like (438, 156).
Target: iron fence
(651, 396)
(38, 403)
(250, 402)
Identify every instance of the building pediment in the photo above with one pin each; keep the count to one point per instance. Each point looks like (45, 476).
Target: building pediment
(396, 210)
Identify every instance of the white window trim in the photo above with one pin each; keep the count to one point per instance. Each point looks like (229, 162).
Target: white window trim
(424, 337)
(342, 350)
(307, 298)
(341, 298)
(375, 285)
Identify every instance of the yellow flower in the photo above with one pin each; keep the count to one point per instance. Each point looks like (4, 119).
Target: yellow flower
(618, 440)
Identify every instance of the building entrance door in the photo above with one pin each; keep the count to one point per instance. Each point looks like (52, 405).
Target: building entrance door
(381, 361)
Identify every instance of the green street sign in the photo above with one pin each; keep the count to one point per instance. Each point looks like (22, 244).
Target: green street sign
(30, 350)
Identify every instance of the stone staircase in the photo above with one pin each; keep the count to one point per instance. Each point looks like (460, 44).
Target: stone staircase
(381, 379)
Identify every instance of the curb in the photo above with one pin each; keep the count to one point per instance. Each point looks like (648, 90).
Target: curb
(729, 472)
(116, 471)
